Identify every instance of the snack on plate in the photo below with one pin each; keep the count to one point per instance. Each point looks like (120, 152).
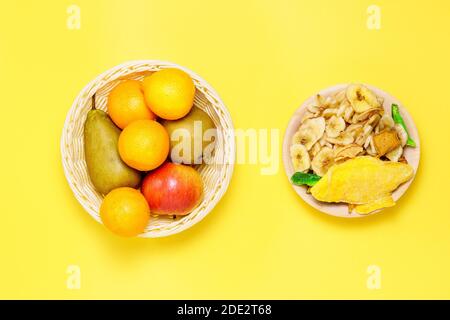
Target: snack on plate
(362, 181)
(347, 149)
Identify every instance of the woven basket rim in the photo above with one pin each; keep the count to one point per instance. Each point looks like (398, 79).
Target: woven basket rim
(210, 91)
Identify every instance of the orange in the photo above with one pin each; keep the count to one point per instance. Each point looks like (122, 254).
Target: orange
(126, 104)
(125, 212)
(169, 93)
(144, 145)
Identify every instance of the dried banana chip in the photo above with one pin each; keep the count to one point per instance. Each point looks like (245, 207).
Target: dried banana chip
(328, 113)
(323, 161)
(313, 108)
(361, 98)
(348, 114)
(359, 117)
(315, 149)
(310, 132)
(366, 131)
(306, 116)
(320, 100)
(354, 127)
(340, 96)
(345, 138)
(372, 150)
(335, 125)
(373, 120)
(300, 157)
(348, 152)
(395, 154)
(367, 142)
(402, 134)
(386, 122)
(341, 109)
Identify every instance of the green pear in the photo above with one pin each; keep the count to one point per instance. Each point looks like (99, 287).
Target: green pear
(106, 169)
(190, 136)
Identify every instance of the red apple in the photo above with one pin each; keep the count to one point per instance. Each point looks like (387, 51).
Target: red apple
(173, 189)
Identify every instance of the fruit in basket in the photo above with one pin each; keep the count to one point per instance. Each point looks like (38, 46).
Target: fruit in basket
(169, 93)
(125, 212)
(189, 136)
(126, 104)
(173, 189)
(106, 169)
(144, 145)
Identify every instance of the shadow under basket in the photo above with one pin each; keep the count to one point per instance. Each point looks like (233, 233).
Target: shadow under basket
(216, 176)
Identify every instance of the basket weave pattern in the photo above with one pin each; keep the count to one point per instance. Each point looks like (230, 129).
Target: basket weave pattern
(216, 176)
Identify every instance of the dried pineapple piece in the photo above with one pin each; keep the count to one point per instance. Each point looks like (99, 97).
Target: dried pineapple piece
(361, 180)
(386, 141)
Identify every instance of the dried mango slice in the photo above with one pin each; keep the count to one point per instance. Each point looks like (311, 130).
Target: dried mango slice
(383, 202)
(361, 180)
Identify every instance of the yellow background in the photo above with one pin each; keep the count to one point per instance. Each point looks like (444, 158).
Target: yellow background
(264, 58)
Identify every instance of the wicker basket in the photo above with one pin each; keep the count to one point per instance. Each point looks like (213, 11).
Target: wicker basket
(216, 177)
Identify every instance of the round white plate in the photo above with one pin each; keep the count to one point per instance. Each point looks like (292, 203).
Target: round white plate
(412, 155)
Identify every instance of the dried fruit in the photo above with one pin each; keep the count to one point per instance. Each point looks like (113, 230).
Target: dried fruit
(362, 137)
(402, 134)
(313, 109)
(348, 124)
(340, 96)
(345, 138)
(328, 113)
(315, 149)
(354, 127)
(335, 126)
(386, 141)
(347, 152)
(348, 113)
(395, 154)
(383, 202)
(359, 117)
(371, 148)
(310, 132)
(373, 120)
(308, 115)
(361, 180)
(341, 110)
(386, 122)
(300, 157)
(323, 161)
(361, 98)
